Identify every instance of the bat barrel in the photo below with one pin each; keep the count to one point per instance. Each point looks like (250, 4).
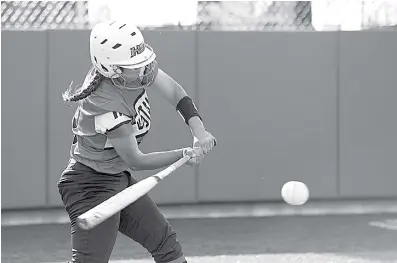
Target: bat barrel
(116, 203)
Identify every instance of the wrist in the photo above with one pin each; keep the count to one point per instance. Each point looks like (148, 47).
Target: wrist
(200, 135)
(197, 127)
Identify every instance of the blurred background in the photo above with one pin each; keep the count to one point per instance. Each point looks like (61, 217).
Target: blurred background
(204, 15)
(292, 90)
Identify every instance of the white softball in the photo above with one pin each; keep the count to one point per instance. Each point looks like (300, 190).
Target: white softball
(295, 193)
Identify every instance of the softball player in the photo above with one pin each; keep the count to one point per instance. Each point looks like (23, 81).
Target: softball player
(112, 118)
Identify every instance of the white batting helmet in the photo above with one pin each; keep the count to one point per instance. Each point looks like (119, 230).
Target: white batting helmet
(115, 44)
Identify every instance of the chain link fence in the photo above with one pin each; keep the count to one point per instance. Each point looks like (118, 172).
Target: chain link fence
(210, 15)
(44, 14)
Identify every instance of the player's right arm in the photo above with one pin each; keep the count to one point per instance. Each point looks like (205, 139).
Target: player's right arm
(117, 127)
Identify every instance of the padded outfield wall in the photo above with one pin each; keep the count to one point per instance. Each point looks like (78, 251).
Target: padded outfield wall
(310, 106)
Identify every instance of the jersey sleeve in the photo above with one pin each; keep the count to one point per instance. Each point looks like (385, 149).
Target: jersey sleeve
(113, 124)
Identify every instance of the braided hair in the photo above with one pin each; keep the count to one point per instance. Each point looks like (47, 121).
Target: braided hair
(91, 83)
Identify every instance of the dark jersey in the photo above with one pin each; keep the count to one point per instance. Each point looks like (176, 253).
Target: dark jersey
(106, 109)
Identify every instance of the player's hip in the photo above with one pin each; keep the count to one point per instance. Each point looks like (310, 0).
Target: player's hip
(81, 187)
(81, 176)
(107, 162)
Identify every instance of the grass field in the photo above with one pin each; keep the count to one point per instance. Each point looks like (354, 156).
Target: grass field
(312, 239)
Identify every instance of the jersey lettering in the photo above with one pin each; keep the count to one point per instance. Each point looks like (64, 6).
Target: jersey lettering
(142, 118)
(110, 121)
(117, 114)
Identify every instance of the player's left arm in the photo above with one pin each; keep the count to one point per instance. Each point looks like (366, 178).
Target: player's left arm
(177, 96)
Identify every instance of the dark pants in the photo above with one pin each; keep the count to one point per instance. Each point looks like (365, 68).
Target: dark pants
(82, 188)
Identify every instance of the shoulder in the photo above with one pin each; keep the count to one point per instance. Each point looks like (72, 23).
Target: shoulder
(163, 79)
(104, 99)
(105, 92)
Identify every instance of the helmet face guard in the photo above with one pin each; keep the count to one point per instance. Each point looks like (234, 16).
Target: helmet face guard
(139, 82)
